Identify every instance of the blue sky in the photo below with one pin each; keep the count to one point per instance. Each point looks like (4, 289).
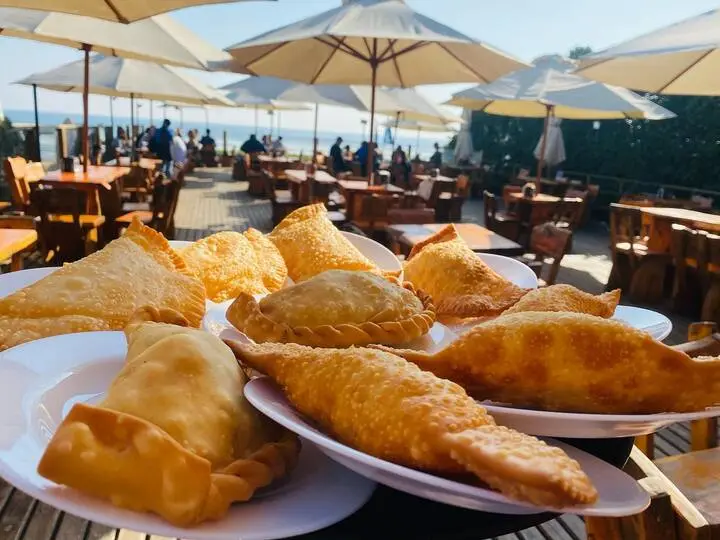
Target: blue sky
(525, 28)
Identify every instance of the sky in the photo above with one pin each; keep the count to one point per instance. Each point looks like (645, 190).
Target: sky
(524, 28)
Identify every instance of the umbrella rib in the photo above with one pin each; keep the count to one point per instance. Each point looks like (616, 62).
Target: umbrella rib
(263, 55)
(327, 61)
(111, 5)
(397, 68)
(367, 46)
(344, 47)
(391, 42)
(684, 71)
(484, 80)
(414, 46)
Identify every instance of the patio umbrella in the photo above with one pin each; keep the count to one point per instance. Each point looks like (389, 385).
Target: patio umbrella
(548, 89)
(680, 59)
(376, 42)
(122, 11)
(121, 77)
(551, 150)
(464, 143)
(418, 127)
(158, 39)
(245, 97)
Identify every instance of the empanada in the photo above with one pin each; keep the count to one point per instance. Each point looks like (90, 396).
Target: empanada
(229, 263)
(337, 308)
(459, 282)
(103, 290)
(573, 362)
(568, 298)
(378, 403)
(310, 244)
(174, 434)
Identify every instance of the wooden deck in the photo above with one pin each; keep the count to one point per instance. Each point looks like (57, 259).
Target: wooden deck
(210, 202)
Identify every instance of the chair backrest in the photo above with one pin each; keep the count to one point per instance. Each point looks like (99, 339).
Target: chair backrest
(64, 238)
(569, 211)
(398, 216)
(550, 242)
(688, 247)
(438, 188)
(269, 181)
(14, 169)
(373, 208)
(507, 190)
(462, 185)
(489, 208)
(625, 225)
(319, 191)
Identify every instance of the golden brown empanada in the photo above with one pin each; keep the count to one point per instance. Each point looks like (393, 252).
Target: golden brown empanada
(174, 434)
(337, 308)
(378, 403)
(310, 244)
(573, 362)
(229, 263)
(103, 290)
(568, 298)
(459, 282)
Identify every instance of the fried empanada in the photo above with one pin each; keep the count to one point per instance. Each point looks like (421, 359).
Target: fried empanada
(103, 290)
(230, 263)
(174, 434)
(311, 244)
(573, 362)
(568, 298)
(459, 282)
(337, 308)
(378, 403)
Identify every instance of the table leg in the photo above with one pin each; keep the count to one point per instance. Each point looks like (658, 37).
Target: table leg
(16, 262)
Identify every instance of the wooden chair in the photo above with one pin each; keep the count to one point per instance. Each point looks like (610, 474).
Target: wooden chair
(159, 217)
(373, 213)
(281, 201)
(635, 269)
(14, 169)
(137, 184)
(689, 252)
(710, 278)
(462, 186)
(568, 213)
(439, 189)
(548, 245)
(684, 489)
(500, 222)
(67, 233)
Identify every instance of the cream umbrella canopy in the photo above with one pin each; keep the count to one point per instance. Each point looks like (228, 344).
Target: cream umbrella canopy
(548, 89)
(376, 42)
(680, 59)
(464, 144)
(121, 77)
(158, 39)
(121, 11)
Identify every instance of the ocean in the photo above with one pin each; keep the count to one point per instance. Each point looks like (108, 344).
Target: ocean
(296, 140)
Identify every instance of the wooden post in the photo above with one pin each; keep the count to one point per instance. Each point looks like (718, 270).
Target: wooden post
(315, 139)
(37, 124)
(225, 152)
(86, 92)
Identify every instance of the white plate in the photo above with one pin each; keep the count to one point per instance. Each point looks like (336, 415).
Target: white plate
(511, 269)
(41, 380)
(619, 494)
(654, 323)
(179, 244)
(14, 281)
(588, 426)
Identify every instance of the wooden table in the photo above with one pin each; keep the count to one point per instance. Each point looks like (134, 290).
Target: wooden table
(536, 211)
(13, 242)
(657, 224)
(101, 201)
(478, 238)
(300, 187)
(538, 198)
(275, 165)
(352, 188)
(439, 178)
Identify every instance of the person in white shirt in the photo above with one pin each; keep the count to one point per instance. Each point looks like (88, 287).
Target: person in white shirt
(278, 148)
(178, 149)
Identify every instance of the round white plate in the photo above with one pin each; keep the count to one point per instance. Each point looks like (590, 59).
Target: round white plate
(588, 426)
(654, 323)
(14, 281)
(41, 380)
(619, 494)
(511, 269)
(376, 252)
(179, 244)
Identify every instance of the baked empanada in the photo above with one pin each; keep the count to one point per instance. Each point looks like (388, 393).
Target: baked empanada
(378, 403)
(568, 298)
(103, 290)
(310, 244)
(174, 434)
(229, 263)
(337, 308)
(459, 282)
(573, 362)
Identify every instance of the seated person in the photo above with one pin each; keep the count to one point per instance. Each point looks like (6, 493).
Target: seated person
(252, 146)
(278, 148)
(436, 158)
(207, 150)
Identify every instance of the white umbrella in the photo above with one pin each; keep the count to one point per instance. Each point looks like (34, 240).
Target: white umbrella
(419, 127)
(120, 77)
(551, 150)
(464, 142)
(159, 39)
(122, 11)
(380, 42)
(548, 89)
(681, 59)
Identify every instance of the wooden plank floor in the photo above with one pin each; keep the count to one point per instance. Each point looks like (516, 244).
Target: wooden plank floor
(210, 202)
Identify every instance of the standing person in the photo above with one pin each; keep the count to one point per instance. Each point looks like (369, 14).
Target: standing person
(336, 157)
(162, 141)
(436, 158)
(400, 171)
(178, 150)
(192, 146)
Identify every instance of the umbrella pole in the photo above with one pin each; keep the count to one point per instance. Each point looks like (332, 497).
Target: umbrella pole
(417, 143)
(86, 92)
(182, 126)
(543, 146)
(371, 150)
(151, 112)
(315, 141)
(397, 124)
(132, 126)
(207, 119)
(256, 120)
(112, 117)
(37, 124)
